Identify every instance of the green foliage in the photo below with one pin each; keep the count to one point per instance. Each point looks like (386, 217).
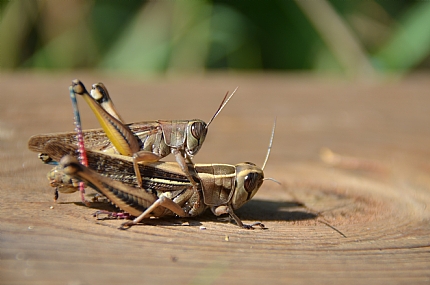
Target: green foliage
(157, 37)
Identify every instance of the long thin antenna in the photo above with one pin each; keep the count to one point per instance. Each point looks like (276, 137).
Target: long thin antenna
(223, 103)
(270, 144)
(273, 180)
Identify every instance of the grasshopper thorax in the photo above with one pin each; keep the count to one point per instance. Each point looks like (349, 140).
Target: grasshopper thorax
(196, 135)
(249, 179)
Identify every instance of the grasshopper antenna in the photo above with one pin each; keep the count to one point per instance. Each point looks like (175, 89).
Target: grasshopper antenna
(223, 103)
(268, 153)
(270, 145)
(273, 180)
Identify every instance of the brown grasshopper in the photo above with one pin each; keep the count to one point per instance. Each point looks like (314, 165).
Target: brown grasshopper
(166, 191)
(183, 138)
(145, 141)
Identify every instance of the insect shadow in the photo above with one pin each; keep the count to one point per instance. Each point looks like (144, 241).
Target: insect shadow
(170, 221)
(264, 210)
(256, 210)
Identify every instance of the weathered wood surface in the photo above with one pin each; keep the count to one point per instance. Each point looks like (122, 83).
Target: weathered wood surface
(376, 193)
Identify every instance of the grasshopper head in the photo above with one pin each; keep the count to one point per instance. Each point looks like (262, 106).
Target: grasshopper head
(196, 135)
(249, 179)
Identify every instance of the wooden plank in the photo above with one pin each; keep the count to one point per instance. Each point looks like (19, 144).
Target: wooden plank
(374, 188)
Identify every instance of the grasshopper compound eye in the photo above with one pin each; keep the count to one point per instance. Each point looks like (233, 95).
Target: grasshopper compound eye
(196, 135)
(250, 182)
(198, 130)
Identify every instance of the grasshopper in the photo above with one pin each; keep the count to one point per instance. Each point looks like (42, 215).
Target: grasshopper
(166, 190)
(183, 138)
(144, 141)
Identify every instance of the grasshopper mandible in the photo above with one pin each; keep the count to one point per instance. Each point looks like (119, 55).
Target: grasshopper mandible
(183, 138)
(166, 190)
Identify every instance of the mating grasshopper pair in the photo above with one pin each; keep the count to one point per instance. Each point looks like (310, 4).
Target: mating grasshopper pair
(156, 188)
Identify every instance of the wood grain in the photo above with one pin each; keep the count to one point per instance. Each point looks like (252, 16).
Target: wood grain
(375, 188)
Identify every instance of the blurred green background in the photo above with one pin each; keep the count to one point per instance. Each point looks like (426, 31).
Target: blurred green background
(352, 38)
